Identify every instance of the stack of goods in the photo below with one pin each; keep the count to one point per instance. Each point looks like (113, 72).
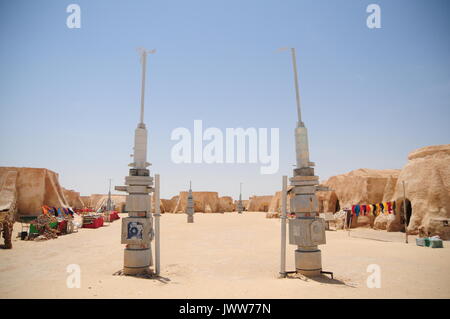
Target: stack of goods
(113, 216)
(64, 217)
(433, 242)
(43, 227)
(110, 216)
(373, 209)
(92, 221)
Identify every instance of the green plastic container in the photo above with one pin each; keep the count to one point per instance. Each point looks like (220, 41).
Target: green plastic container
(436, 243)
(33, 229)
(430, 242)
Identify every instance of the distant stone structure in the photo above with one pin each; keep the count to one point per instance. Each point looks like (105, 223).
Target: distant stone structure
(73, 199)
(258, 203)
(36, 187)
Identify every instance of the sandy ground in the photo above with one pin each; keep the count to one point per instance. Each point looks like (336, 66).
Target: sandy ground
(223, 256)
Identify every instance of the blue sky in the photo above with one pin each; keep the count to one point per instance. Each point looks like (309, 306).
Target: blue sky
(69, 98)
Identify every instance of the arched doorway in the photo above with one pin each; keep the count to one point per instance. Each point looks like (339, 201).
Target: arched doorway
(337, 206)
(404, 220)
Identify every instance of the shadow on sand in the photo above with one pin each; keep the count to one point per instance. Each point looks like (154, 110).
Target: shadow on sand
(161, 279)
(323, 279)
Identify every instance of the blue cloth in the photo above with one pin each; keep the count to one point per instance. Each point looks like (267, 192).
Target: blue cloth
(357, 210)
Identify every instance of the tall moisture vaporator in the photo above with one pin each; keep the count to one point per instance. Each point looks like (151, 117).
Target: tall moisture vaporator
(137, 229)
(307, 229)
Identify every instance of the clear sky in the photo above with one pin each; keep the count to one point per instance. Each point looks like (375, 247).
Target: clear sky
(69, 98)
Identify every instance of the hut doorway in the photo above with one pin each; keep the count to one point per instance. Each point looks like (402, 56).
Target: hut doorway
(406, 220)
(337, 206)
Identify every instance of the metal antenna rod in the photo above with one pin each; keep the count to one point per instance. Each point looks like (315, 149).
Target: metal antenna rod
(144, 63)
(297, 94)
(143, 53)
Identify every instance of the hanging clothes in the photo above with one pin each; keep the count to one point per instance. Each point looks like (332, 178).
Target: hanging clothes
(368, 209)
(393, 207)
(364, 210)
(357, 210)
(389, 205)
(353, 210)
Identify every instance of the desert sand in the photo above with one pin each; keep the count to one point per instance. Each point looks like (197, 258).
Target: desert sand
(223, 256)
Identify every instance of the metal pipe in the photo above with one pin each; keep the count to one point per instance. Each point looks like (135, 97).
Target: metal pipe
(283, 227)
(157, 215)
(297, 94)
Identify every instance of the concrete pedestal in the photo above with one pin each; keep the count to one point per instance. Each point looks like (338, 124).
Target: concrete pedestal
(137, 261)
(308, 261)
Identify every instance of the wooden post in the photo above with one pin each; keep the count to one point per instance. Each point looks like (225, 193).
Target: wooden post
(350, 223)
(283, 227)
(404, 212)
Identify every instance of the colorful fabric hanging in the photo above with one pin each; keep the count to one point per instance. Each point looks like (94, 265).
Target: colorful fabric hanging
(389, 205)
(357, 210)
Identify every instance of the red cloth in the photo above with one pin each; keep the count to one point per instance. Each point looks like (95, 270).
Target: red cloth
(98, 222)
(113, 216)
(62, 226)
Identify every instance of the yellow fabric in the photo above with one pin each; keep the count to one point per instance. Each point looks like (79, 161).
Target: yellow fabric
(386, 210)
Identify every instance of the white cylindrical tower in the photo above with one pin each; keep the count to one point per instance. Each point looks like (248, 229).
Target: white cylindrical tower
(137, 229)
